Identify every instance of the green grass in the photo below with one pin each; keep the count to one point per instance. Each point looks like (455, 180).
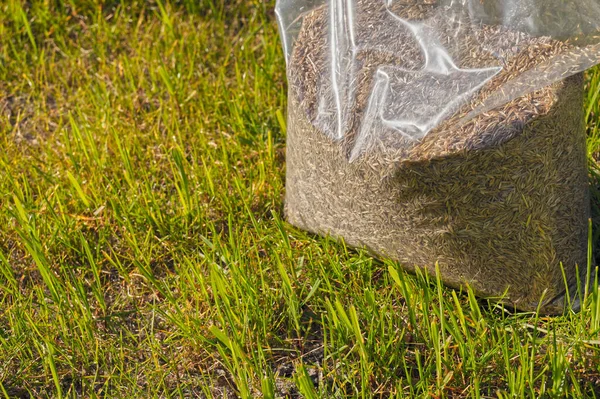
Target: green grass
(143, 251)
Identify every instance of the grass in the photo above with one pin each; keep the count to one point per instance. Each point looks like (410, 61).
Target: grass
(143, 251)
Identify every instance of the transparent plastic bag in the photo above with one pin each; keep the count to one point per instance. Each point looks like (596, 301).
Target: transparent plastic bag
(447, 135)
(392, 71)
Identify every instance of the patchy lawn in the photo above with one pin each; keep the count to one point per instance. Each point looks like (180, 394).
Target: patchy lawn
(143, 251)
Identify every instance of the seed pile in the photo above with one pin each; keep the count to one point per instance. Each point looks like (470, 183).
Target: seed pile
(497, 202)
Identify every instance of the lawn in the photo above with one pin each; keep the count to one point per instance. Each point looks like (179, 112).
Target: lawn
(143, 248)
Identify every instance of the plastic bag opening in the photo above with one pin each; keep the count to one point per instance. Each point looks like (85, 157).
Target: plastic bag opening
(366, 69)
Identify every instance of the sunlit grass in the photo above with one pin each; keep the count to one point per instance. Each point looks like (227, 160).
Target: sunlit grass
(144, 254)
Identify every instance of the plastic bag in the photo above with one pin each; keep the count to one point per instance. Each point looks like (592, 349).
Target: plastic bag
(446, 135)
(426, 59)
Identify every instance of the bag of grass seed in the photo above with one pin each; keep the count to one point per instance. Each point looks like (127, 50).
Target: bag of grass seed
(445, 131)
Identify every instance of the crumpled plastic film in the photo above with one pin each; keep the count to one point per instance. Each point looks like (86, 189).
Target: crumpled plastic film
(440, 58)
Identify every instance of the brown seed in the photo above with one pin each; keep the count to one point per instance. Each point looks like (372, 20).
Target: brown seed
(498, 198)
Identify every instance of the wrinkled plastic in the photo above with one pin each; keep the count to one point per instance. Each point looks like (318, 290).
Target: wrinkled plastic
(414, 95)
